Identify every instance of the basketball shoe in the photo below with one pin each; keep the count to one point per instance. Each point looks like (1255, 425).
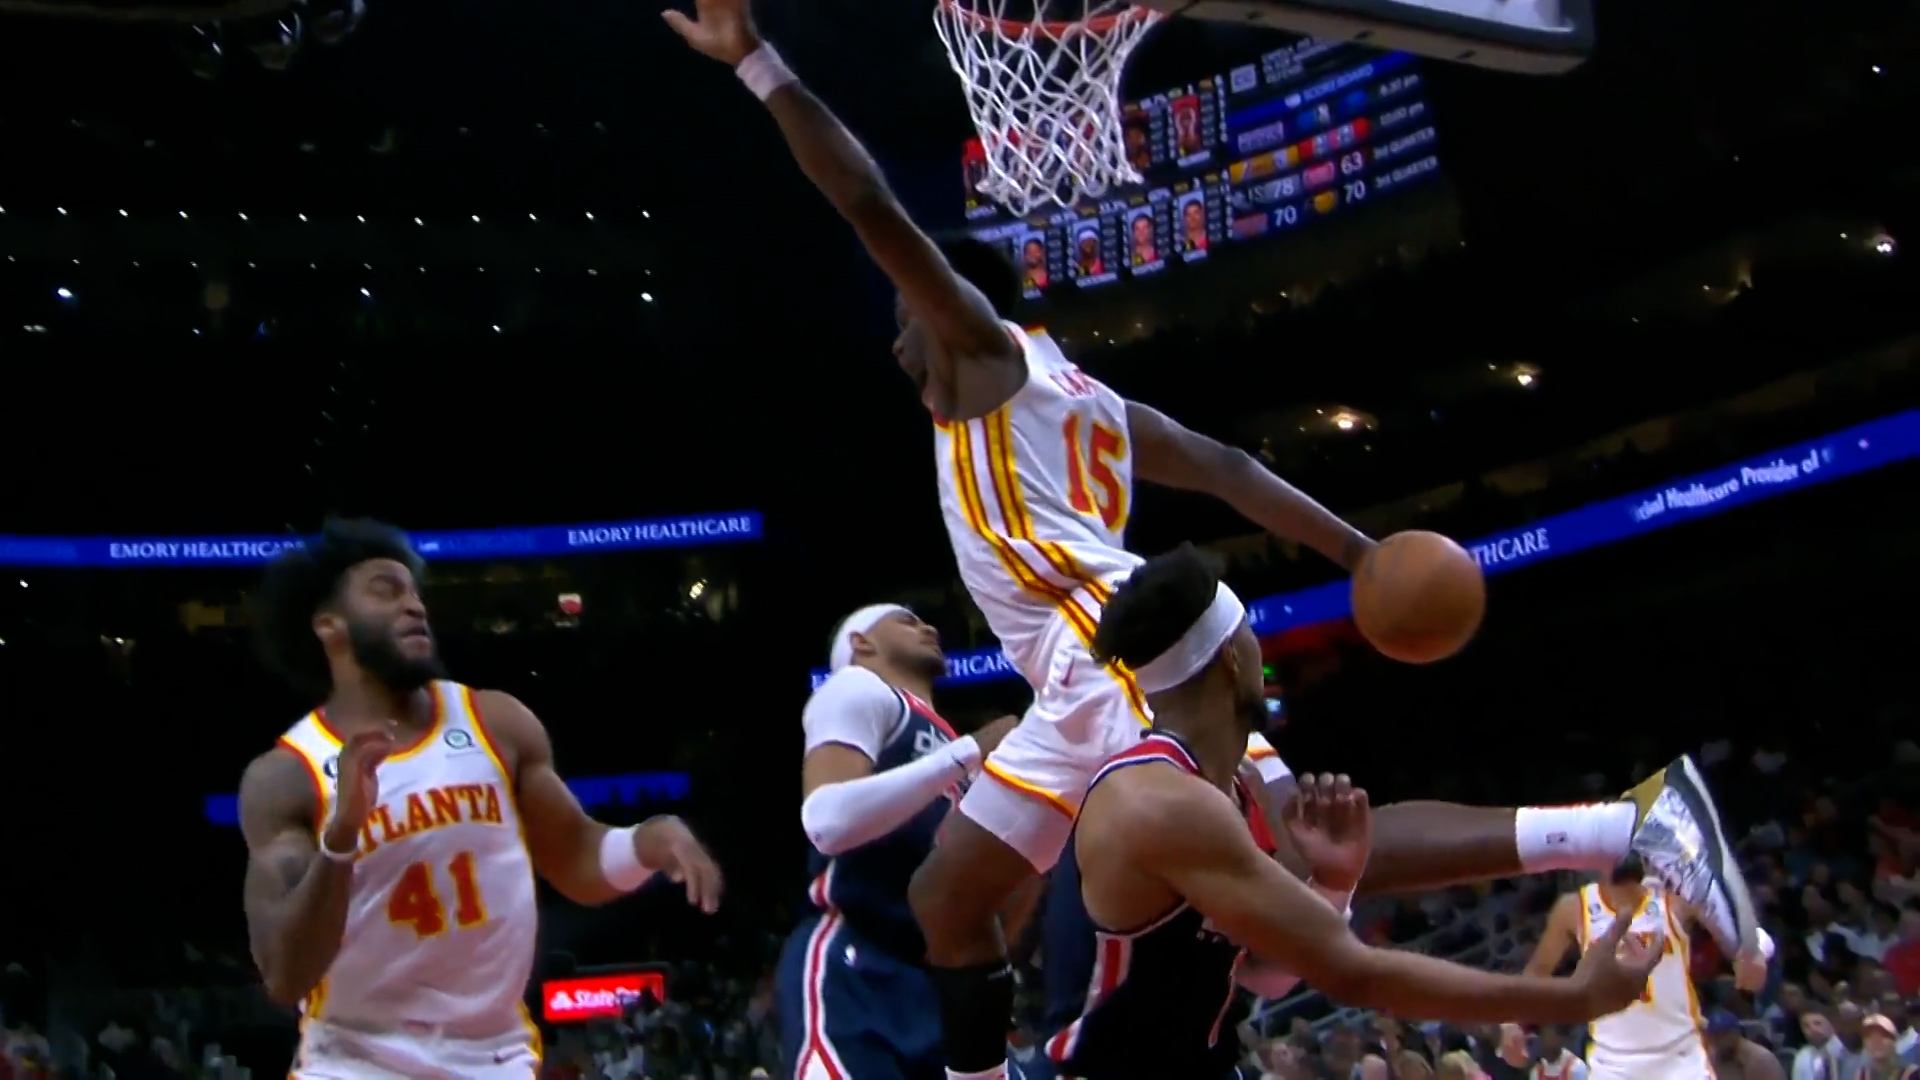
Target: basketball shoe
(1679, 836)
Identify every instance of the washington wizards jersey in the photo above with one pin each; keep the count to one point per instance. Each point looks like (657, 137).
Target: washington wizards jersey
(868, 885)
(1162, 1000)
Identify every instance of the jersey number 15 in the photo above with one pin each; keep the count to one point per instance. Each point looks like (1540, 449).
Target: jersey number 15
(1090, 461)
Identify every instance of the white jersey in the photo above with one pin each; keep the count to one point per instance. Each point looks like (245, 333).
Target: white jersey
(1036, 497)
(441, 921)
(1667, 1016)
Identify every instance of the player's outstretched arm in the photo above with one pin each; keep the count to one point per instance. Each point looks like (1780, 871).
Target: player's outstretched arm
(1166, 453)
(296, 898)
(1192, 837)
(1561, 936)
(844, 803)
(589, 863)
(962, 320)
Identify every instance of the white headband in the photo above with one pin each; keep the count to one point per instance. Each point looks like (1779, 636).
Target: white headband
(857, 623)
(1197, 647)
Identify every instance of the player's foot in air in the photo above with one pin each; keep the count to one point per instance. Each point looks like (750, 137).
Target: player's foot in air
(1680, 837)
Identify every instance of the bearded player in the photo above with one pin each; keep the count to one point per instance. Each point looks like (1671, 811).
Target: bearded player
(1176, 872)
(1660, 1036)
(393, 833)
(1036, 462)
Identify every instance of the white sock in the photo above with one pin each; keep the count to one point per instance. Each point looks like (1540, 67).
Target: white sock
(1591, 837)
(998, 1072)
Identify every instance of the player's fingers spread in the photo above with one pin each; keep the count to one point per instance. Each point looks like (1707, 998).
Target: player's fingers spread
(1326, 784)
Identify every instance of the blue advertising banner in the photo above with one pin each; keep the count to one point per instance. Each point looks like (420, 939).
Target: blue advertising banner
(1871, 445)
(536, 541)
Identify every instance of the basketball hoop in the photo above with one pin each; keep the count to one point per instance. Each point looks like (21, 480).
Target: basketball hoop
(1045, 94)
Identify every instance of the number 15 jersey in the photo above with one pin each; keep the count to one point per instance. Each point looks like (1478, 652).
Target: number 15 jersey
(1036, 496)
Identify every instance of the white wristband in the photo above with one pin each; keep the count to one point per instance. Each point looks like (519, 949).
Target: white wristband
(764, 72)
(619, 865)
(336, 856)
(965, 752)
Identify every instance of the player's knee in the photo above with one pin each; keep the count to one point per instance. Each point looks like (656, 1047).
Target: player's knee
(958, 891)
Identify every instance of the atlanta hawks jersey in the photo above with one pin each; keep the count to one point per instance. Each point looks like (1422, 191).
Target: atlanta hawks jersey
(441, 920)
(1036, 496)
(1667, 1016)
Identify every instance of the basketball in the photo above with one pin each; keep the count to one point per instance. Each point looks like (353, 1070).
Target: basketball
(1418, 597)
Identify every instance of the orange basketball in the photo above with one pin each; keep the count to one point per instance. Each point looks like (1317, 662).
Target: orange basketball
(1418, 597)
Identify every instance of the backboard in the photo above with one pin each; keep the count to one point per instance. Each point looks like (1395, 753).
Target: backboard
(1537, 37)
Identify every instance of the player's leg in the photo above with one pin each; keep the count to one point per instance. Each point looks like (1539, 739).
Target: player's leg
(1011, 825)
(957, 895)
(843, 1007)
(1669, 819)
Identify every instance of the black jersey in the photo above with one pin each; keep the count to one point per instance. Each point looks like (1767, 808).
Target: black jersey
(1162, 1000)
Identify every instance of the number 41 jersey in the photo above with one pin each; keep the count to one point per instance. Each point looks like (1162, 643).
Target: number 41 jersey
(441, 921)
(1036, 496)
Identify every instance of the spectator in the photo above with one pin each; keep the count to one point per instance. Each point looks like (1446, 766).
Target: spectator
(1736, 1057)
(1902, 959)
(1879, 1060)
(1819, 1059)
(1556, 1062)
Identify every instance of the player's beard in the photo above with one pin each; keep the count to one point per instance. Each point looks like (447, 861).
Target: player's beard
(1252, 714)
(377, 651)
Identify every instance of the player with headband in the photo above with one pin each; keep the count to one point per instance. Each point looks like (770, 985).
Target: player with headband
(881, 771)
(1175, 866)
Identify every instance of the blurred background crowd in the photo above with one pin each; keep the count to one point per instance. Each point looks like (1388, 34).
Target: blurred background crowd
(360, 272)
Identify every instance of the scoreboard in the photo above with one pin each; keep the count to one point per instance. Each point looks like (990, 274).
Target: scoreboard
(1308, 132)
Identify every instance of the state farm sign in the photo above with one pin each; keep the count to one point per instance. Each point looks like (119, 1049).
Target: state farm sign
(565, 1001)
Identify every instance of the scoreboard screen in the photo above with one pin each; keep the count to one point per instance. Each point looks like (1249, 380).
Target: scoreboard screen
(1307, 132)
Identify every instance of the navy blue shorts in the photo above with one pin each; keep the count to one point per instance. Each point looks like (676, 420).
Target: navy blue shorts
(849, 1011)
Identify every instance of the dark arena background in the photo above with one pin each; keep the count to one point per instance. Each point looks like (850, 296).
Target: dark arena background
(546, 290)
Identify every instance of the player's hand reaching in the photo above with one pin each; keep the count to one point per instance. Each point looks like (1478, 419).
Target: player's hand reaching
(1331, 826)
(667, 845)
(722, 29)
(357, 787)
(1614, 970)
(1749, 971)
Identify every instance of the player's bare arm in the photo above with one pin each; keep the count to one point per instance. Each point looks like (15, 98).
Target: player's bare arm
(295, 897)
(1191, 837)
(586, 861)
(976, 359)
(1750, 966)
(1166, 453)
(1561, 936)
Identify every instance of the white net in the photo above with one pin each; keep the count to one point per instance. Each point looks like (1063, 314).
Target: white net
(1045, 96)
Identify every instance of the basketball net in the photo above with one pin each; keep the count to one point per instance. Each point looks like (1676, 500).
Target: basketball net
(1045, 96)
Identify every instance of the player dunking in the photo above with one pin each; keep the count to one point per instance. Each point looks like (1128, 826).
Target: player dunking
(1183, 891)
(1660, 1035)
(393, 834)
(880, 772)
(1036, 463)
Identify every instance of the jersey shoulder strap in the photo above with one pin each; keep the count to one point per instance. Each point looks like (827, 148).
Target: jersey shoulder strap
(317, 748)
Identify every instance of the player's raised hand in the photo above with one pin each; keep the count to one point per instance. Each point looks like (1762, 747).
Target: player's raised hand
(667, 845)
(1615, 968)
(357, 786)
(722, 29)
(1331, 825)
(1750, 971)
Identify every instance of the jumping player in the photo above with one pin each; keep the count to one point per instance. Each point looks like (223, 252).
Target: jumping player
(394, 832)
(1036, 462)
(881, 770)
(1181, 886)
(1660, 1035)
